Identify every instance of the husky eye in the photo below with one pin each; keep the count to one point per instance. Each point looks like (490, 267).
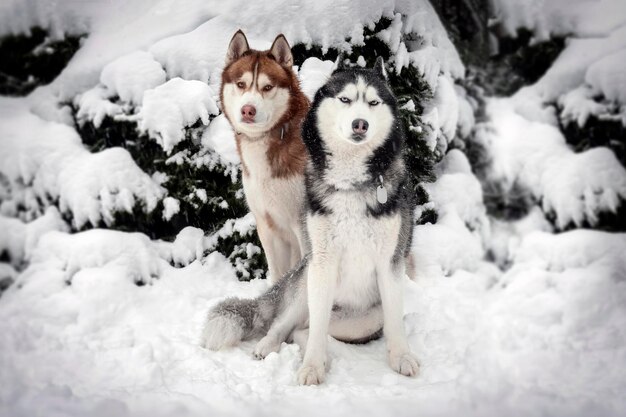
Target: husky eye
(345, 100)
(374, 103)
(241, 84)
(268, 87)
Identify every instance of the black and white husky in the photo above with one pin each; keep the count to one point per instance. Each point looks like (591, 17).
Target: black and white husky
(359, 222)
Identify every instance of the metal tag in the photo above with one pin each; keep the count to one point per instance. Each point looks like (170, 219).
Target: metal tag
(381, 194)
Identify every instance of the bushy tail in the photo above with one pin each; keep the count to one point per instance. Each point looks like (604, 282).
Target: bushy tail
(232, 321)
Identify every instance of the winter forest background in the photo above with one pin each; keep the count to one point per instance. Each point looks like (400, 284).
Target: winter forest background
(122, 219)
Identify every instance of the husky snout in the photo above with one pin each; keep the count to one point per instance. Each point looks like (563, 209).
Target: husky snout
(359, 127)
(248, 113)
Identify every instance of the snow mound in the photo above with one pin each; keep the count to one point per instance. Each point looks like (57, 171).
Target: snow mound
(187, 56)
(575, 187)
(186, 248)
(569, 69)
(574, 249)
(219, 136)
(132, 74)
(313, 74)
(94, 105)
(19, 239)
(47, 162)
(559, 317)
(606, 77)
(590, 67)
(455, 242)
(560, 17)
(134, 253)
(169, 108)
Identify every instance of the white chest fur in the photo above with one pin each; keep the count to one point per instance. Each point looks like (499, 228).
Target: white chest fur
(281, 198)
(361, 242)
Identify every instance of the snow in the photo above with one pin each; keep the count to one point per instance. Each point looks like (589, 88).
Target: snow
(219, 136)
(19, 239)
(169, 108)
(607, 78)
(433, 53)
(53, 164)
(589, 18)
(576, 187)
(103, 343)
(94, 105)
(441, 113)
(313, 74)
(588, 70)
(106, 322)
(187, 247)
(568, 71)
(455, 242)
(130, 75)
(171, 206)
(578, 105)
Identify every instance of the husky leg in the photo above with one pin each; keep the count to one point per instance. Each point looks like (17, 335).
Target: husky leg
(283, 326)
(321, 282)
(282, 252)
(390, 286)
(267, 240)
(296, 253)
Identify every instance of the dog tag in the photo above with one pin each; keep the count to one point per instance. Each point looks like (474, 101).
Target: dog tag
(381, 194)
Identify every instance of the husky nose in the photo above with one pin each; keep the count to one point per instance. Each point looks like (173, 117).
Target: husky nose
(359, 126)
(248, 112)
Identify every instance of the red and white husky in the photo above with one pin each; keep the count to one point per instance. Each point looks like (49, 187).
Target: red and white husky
(262, 100)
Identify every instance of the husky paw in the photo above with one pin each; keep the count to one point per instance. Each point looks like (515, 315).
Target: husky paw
(264, 347)
(311, 375)
(404, 363)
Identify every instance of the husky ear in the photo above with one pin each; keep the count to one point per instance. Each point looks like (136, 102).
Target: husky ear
(238, 45)
(379, 68)
(339, 62)
(282, 51)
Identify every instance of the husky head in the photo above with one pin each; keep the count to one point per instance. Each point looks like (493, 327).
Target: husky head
(356, 106)
(352, 132)
(256, 85)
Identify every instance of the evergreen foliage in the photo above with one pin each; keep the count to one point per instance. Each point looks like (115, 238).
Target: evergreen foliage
(27, 61)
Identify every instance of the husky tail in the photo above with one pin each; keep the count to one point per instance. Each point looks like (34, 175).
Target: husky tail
(234, 320)
(230, 322)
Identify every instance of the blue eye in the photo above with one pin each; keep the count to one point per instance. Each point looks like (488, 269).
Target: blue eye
(345, 100)
(374, 103)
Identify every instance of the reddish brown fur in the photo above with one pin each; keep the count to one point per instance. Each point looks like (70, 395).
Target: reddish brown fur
(288, 156)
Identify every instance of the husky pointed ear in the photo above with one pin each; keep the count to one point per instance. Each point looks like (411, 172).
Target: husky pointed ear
(339, 62)
(379, 67)
(238, 45)
(281, 51)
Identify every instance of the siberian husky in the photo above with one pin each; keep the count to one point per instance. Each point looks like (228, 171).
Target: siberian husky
(359, 223)
(262, 100)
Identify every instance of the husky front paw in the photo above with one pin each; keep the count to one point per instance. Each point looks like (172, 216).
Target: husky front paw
(311, 375)
(404, 363)
(264, 347)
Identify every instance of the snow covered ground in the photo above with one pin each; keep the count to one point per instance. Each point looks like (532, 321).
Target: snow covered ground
(546, 336)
